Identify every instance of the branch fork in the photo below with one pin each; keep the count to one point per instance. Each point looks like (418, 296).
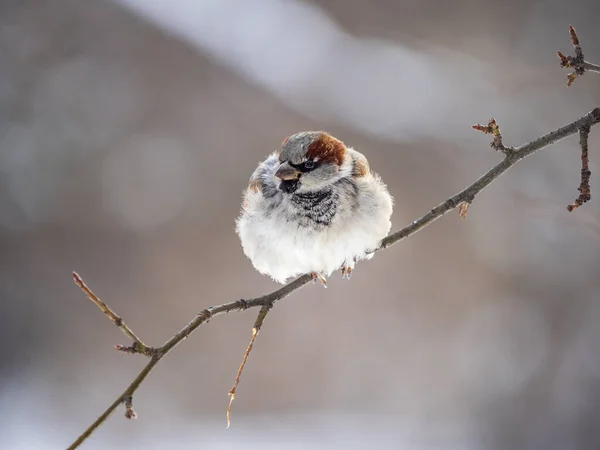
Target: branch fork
(577, 62)
(493, 129)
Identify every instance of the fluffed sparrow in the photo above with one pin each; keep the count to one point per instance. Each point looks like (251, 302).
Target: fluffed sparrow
(314, 206)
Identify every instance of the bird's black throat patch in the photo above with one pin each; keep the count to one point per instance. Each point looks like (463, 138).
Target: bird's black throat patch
(315, 209)
(312, 199)
(289, 186)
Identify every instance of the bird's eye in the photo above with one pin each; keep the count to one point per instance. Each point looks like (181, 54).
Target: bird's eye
(309, 165)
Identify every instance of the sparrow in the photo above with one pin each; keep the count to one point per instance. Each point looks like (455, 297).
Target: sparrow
(313, 206)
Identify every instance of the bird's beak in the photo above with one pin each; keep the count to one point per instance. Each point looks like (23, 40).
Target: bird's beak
(287, 172)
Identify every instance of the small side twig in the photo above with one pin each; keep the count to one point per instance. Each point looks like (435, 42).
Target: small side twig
(493, 129)
(138, 346)
(129, 411)
(585, 193)
(577, 62)
(257, 326)
(131, 349)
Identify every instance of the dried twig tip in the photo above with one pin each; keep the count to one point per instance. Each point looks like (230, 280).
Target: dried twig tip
(573, 34)
(131, 349)
(231, 397)
(77, 279)
(576, 62)
(564, 60)
(493, 129)
(240, 370)
(129, 411)
(483, 128)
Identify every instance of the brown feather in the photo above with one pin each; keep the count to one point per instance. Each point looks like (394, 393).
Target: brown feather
(255, 185)
(327, 149)
(360, 168)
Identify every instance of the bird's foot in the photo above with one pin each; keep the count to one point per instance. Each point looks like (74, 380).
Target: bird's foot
(347, 269)
(317, 276)
(346, 272)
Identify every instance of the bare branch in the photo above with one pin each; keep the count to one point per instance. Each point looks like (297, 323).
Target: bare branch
(585, 193)
(461, 200)
(577, 62)
(138, 346)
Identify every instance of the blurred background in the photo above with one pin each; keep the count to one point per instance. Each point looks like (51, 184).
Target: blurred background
(128, 130)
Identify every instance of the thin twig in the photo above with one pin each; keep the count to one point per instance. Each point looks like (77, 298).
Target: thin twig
(585, 193)
(577, 62)
(138, 346)
(257, 326)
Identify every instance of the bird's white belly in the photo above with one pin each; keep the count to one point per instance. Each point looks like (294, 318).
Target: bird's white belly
(283, 250)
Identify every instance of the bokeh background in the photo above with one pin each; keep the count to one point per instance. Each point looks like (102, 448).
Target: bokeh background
(128, 130)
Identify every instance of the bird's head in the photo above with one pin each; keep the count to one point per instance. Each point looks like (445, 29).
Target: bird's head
(310, 161)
